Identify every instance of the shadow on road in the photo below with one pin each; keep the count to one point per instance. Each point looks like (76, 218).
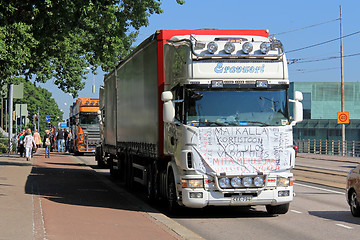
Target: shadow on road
(13, 160)
(65, 182)
(20, 164)
(61, 180)
(340, 216)
(222, 212)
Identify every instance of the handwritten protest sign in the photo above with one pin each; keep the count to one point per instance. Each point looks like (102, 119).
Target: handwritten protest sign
(236, 150)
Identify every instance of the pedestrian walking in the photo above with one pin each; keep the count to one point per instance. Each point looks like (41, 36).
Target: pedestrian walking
(69, 139)
(47, 143)
(66, 134)
(52, 139)
(20, 143)
(60, 140)
(37, 138)
(29, 144)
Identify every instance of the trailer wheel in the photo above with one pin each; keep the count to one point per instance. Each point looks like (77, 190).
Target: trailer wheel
(278, 209)
(99, 158)
(173, 205)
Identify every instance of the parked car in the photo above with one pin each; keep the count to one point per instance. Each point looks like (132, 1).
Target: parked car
(295, 148)
(353, 191)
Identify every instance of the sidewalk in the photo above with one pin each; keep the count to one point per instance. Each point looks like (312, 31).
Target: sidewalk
(59, 198)
(15, 205)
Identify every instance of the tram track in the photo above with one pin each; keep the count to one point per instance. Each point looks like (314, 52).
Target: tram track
(319, 175)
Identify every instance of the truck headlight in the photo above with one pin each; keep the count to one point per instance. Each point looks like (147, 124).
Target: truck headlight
(196, 195)
(212, 47)
(236, 182)
(264, 47)
(229, 47)
(224, 182)
(284, 182)
(192, 183)
(247, 47)
(247, 181)
(259, 181)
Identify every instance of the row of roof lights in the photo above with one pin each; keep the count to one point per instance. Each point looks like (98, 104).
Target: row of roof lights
(247, 47)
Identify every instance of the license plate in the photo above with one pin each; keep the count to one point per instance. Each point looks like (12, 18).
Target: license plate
(241, 199)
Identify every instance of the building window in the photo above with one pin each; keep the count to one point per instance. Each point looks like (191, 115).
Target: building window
(307, 105)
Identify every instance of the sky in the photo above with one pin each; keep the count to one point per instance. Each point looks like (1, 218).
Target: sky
(315, 22)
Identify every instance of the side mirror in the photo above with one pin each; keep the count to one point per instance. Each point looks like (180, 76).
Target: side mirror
(298, 107)
(99, 116)
(168, 107)
(298, 96)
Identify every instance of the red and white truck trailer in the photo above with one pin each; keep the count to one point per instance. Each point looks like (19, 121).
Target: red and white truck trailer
(201, 118)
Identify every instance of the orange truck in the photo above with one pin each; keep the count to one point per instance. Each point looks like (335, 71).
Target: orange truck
(84, 125)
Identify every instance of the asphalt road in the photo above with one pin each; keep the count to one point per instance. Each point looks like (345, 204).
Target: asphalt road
(317, 212)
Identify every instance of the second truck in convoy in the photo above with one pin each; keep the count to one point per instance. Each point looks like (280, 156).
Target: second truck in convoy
(84, 125)
(201, 118)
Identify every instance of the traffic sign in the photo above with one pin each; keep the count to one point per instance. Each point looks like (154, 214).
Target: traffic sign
(343, 117)
(47, 118)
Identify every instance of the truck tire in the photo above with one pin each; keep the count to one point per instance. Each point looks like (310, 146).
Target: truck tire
(278, 209)
(98, 157)
(173, 206)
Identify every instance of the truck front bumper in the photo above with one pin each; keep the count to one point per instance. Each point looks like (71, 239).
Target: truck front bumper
(199, 198)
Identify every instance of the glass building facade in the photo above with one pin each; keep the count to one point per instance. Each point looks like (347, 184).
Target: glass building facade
(322, 101)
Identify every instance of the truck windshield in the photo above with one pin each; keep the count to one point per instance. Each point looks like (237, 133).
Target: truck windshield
(236, 108)
(88, 118)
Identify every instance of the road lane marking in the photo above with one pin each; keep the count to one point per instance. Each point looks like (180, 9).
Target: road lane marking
(294, 211)
(344, 226)
(319, 188)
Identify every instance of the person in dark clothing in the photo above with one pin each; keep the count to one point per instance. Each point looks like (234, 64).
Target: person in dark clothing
(60, 140)
(52, 139)
(66, 134)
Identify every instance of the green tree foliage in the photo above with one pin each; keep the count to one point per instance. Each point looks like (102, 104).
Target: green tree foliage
(58, 39)
(39, 99)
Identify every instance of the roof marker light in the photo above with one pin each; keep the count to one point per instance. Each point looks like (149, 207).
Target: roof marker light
(247, 47)
(212, 47)
(229, 47)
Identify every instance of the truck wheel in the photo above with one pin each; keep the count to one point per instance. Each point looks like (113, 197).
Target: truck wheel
(173, 205)
(278, 209)
(354, 204)
(98, 158)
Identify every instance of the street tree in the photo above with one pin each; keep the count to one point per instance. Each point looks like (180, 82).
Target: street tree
(40, 102)
(57, 39)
